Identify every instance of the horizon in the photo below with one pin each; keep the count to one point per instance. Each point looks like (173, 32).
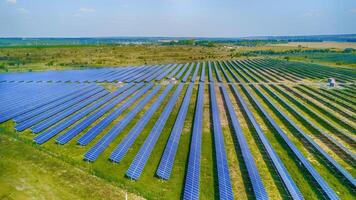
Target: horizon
(173, 18)
(186, 37)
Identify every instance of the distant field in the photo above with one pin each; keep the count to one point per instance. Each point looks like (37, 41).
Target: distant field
(320, 45)
(74, 57)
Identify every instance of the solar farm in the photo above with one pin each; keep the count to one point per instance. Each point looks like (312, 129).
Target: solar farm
(230, 129)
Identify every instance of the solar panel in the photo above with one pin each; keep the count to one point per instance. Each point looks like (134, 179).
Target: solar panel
(316, 176)
(202, 75)
(100, 146)
(224, 183)
(27, 105)
(158, 73)
(224, 72)
(256, 182)
(99, 127)
(130, 138)
(210, 73)
(74, 131)
(161, 76)
(63, 125)
(218, 76)
(180, 73)
(49, 106)
(192, 178)
(144, 153)
(187, 74)
(331, 161)
(174, 71)
(34, 120)
(288, 182)
(166, 163)
(56, 118)
(194, 77)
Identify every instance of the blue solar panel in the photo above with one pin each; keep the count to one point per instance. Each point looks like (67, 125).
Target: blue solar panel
(144, 153)
(224, 72)
(28, 105)
(56, 118)
(140, 73)
(74, 131)
(194, 77)
(152, 70)
(224, 183)
(99, 127)
(166, 163)
(233, 65)
(192, 178)
(256, 182)
(130, 138)
(63, 125)
(288, 182)
(159, 72)
(218, 76)
(180, 73)
(327, 191)
(49, 106)
(161, 76)
(187, 74)
(202, 75)
(20, 100)
(171, 75)
(34, 120)
(100, 146)
(331, 161)
(210, 73)
(315, 175)
(231, 72)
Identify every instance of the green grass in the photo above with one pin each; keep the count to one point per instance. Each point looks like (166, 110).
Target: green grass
(28, 171)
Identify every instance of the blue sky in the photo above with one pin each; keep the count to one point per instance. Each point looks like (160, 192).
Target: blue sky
(206, 18)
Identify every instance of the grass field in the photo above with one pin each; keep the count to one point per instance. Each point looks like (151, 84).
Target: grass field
(56, 165)
(29, 172)
(82, 56)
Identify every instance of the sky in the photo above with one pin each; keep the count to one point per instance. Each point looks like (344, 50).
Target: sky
(175, 18)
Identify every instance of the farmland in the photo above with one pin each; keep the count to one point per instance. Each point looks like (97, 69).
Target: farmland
(325, 45)
(247, 128)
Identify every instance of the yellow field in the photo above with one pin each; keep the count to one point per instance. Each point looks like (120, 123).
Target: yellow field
(337, 45)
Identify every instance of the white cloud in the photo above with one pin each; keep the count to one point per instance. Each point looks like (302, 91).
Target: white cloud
(11, 1)
(86, 10)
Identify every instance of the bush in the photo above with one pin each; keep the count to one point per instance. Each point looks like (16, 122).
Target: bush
(348, 50)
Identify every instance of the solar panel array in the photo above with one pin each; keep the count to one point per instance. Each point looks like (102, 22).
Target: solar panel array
(166, 164)
(192, 179)
(129, 113)
(224, 182)
(257, 184)
(143, 154)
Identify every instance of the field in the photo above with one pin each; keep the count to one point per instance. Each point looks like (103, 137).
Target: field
(270, 117)
(320, 45)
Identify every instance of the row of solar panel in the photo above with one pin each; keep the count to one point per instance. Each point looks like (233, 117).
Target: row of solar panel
(291, 72)
(61, 110)
(141, 158)
(348, 138)
(328, 192)
(121, 74)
